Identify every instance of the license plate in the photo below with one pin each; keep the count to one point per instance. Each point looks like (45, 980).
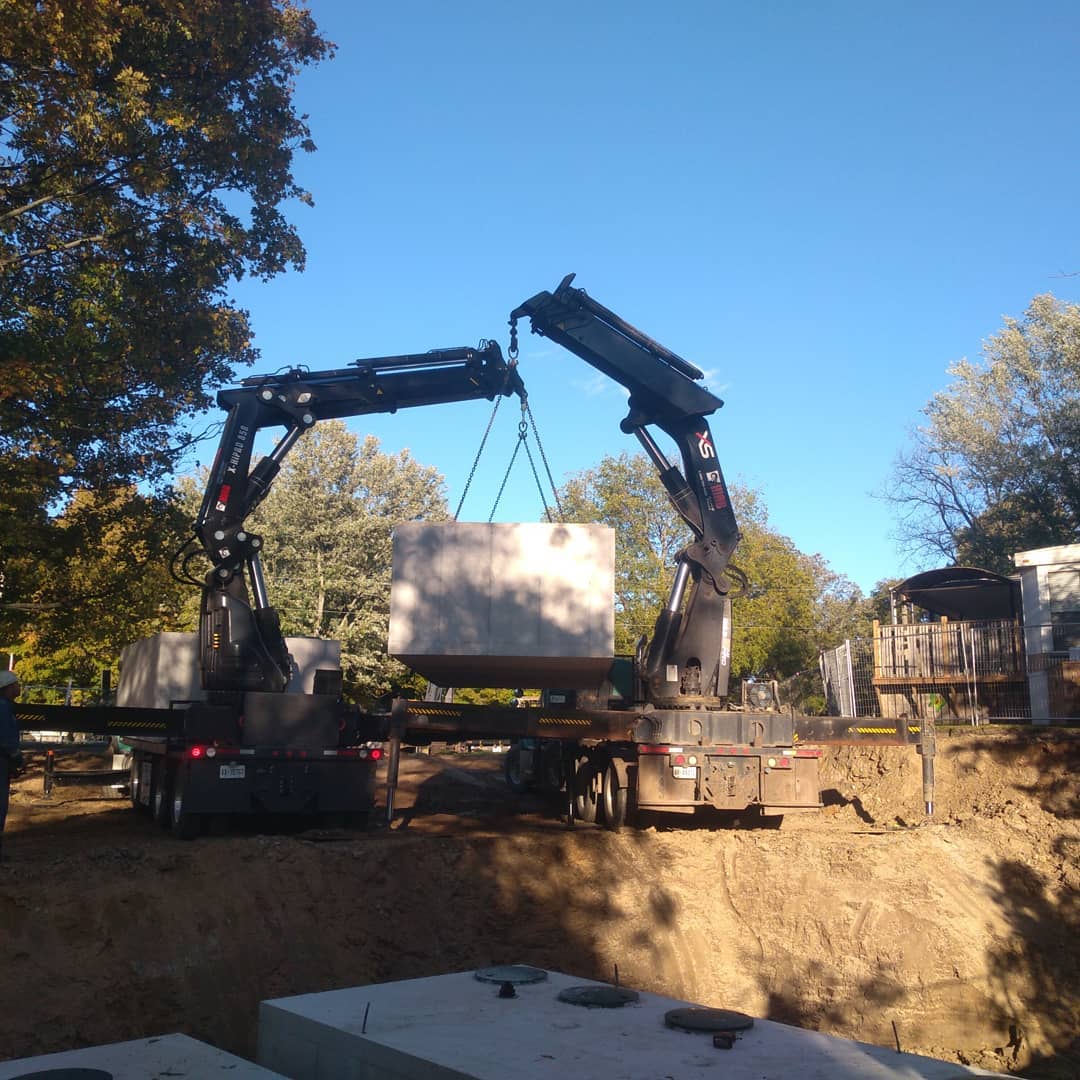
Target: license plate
(232, 772)
(684, 772)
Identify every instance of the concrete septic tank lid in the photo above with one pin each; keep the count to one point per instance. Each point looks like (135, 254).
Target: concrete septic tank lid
(515, 974)
(66, 1074)
(598, 997)
(708, 1020)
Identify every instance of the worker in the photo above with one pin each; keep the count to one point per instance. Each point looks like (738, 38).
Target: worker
(11, 759)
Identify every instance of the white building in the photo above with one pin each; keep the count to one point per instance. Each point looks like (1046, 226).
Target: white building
(1050, 594)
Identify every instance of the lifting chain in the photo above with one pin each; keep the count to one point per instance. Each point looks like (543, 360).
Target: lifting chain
(527, 408)
(476, 460)
(523, 432)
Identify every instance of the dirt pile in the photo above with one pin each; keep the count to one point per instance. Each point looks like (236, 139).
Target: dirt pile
(959, 939)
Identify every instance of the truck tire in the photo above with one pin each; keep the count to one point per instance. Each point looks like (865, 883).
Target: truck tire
(185, 824)
(586, 791)
(135, 786)
(515, 780)
(160, 794)
(616, 795)
(553, 775)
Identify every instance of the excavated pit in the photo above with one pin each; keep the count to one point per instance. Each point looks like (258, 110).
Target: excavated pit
(956, 938)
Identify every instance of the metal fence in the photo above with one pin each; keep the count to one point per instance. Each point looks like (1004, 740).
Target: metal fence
(943, 650)
(958, 672)
(847, 675)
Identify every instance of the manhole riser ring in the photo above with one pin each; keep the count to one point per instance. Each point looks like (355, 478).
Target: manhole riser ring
(708, 1021)
(598, 997)
(515, 974)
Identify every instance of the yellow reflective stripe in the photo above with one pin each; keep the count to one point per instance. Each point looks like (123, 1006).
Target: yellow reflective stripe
(883, 730)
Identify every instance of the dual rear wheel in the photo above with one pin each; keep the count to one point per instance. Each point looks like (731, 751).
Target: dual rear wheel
(167, 800)
(601, 790)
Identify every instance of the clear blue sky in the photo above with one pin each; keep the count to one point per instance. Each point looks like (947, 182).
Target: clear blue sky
(821, 205)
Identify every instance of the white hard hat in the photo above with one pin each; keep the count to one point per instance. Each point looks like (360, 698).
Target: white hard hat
(8, 678)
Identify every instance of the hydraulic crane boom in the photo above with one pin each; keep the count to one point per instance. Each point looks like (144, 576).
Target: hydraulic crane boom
(241, 644)
(689, 655)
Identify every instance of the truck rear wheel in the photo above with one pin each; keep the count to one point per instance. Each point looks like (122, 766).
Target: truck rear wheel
(185, 824)
(160, 795)
(587, 782)
(515, 780)
(135, 785)
(616, 795)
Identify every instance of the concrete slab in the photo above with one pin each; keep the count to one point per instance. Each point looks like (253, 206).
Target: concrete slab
(142, 1059)
(455, 1027)
(519, 605)
(157, 671)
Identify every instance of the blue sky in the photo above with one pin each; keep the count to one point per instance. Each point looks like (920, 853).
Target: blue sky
(821, 205)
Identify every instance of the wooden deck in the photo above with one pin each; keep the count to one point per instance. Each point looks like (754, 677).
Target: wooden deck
(966, 671)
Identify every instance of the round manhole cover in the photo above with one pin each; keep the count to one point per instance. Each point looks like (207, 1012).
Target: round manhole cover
(702, 1019)
(515, 974)
(598, 997)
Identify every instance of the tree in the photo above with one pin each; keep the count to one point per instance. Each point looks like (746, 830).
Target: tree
(113, 587)
(996, 468)
(146, 150)
(326, 526)
(625, 493)
(776, 626)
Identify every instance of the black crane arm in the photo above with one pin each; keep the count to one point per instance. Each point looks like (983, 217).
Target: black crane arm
(242, 647)
(689, 655)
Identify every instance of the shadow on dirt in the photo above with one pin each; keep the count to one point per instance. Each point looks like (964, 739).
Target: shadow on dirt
(832, 797)
(1039, 923)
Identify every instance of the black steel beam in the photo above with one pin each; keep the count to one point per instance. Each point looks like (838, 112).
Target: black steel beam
(98, 719)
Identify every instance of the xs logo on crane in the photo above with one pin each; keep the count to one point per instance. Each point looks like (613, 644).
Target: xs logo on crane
(704, 444)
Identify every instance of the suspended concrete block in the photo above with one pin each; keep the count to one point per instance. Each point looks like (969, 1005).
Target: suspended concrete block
(510, 605)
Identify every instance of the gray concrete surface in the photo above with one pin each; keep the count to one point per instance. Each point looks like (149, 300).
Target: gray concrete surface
(455, 1027)
(157, 671)
(142, 1059)
(510, 605)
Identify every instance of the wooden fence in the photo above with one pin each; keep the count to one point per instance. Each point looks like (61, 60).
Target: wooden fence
(952, 670)
(949, 650)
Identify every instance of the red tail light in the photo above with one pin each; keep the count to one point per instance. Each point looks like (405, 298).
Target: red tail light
(197, 751)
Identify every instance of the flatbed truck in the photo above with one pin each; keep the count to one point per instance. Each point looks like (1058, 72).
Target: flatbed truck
(676, 741)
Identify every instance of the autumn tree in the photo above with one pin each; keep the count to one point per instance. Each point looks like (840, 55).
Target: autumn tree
(113, 587)
(146, 157)
(996, 467)
(778, 623)
(326, 527)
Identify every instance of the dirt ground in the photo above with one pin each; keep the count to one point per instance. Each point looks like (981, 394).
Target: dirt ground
(958, 938)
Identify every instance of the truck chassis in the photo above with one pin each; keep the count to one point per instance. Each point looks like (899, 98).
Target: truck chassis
(189, 787)
(606, 765)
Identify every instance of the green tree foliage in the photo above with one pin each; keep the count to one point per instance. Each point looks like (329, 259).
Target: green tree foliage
(841, 609)
(773, 625)
(326, 526)
(112, 588)
(146, 153)
(625, 493)
(996, 467)
(794, 604)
